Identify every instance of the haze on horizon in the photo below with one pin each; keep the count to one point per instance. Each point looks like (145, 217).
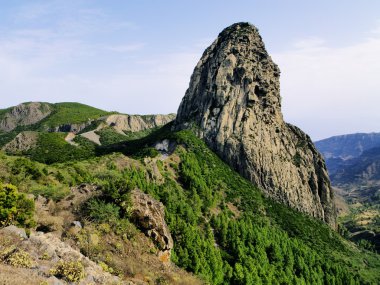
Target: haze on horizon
(137, 57)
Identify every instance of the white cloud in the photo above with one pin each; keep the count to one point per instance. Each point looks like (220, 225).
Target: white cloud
(331, 90)
(126, 47)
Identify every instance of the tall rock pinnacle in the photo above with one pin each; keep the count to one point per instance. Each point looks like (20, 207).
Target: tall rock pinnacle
(234, 104)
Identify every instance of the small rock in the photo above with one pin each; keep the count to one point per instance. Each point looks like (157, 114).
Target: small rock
(76, 224)
(55, 281)
(15, 230)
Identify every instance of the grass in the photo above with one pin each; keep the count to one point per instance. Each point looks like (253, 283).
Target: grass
(72, 113)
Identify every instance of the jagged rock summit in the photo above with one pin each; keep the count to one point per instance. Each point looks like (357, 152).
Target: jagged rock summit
(233, 102)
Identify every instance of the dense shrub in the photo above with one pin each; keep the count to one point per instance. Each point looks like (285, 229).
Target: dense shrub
(100, 211)
(15, 208)
(72, 271)
(52, 148)
(110, 136)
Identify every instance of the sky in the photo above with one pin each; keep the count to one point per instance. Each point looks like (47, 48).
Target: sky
(137, 57)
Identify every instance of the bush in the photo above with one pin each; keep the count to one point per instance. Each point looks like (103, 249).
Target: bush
(72, 271)
(20, 258)
(100, 211)
(53, 192)
(15, 207)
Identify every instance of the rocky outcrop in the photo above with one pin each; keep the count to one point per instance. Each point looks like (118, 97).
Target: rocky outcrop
(120, 122)
(149, 215)
(45, 251)
(234, 104)
(24, 114)
(137, 123)
(70, 128)
(23, 142)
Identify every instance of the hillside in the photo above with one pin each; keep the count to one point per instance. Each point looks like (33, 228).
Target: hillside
(224, 229)
(75, 129)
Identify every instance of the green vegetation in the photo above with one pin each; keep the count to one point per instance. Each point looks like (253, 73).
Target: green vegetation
(8, 136)
(266, 243)
(224, 229)
(15, 207)
(109, 136)
(72, 271)
(140, 134)
(3, 112)
(52, 148)
(62, 114)
(19, 258)
(100, 211)
(72, 113)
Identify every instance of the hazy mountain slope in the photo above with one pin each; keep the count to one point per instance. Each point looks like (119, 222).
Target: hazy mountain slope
(362, 169)
(338, 150)
(347, 146)
(353, 162)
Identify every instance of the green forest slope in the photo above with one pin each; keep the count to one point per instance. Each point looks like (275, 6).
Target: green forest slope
(224, 229)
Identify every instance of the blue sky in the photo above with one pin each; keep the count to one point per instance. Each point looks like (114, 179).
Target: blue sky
(137, 56)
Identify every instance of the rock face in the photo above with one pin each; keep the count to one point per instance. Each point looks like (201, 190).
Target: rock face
(23, 142)
(39, 244)
(234, 104)
(137, 123)
(149, 214)
(23, 115)
(70, 128)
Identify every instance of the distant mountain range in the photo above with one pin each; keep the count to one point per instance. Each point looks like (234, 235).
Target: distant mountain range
(353, 158)
(347, 146)
(353, 162)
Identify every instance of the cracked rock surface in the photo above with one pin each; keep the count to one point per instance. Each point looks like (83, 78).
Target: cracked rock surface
(233, 102)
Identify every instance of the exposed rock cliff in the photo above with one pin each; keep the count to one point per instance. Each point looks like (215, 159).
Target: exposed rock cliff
(149, 214)
(234, 103)
(23, 115)
(24, 141)
(137, 123)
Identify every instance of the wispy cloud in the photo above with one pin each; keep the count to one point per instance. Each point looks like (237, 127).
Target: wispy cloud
(324, 88)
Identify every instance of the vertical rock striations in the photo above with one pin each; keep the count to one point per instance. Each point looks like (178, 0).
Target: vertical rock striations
(24, 114)
(234, 103)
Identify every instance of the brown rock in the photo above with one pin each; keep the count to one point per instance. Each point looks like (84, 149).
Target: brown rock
(149, 214)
